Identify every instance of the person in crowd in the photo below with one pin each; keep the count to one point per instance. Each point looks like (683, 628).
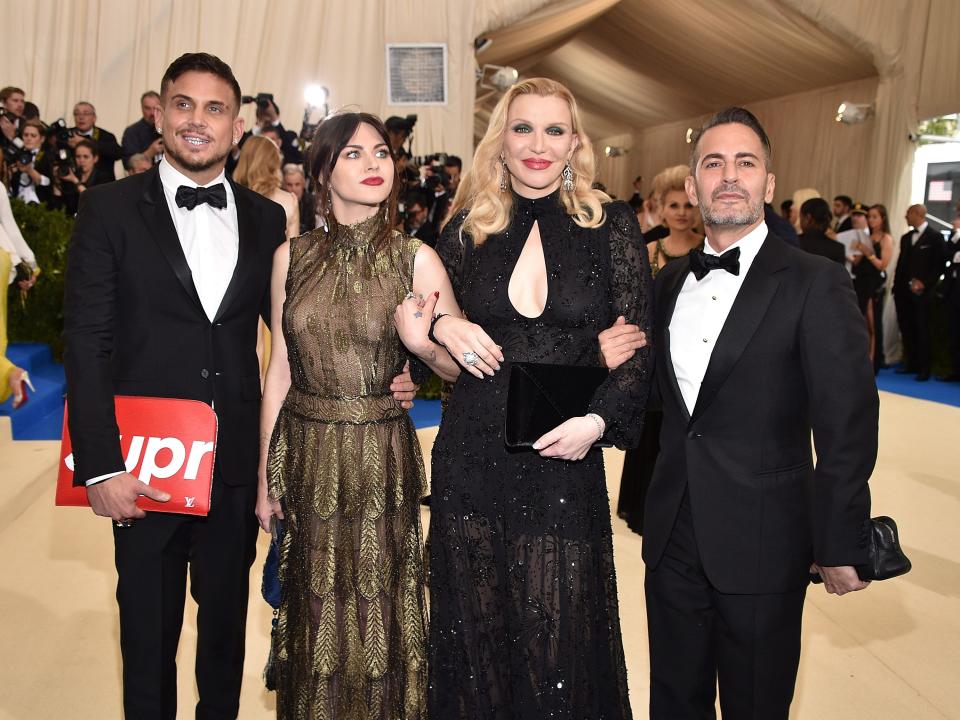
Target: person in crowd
(757, 330)
(842, 204)
(259, 169)
(524, 618)
(14, 254)
(416, 223)
(85, 173)
(138, 163)
(653, 226)
(142, 137)
(951, 300)
(785, 209)
(340, 460)
(814, 221)
(295, 181)
(778, 226)
(268, 122)
(31, 181)
(31, 111)
(637, 197)
(919, 265)
(870, 275)
(107, 147)
(453, 169)
(12, 101)
(680, 217)
(399, 129)
(799, 198)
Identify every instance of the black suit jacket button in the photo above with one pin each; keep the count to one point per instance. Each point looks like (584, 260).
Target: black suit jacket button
(204, 373)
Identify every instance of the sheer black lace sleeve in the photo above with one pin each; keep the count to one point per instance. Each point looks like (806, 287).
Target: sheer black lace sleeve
(450, 249)
(622, 398)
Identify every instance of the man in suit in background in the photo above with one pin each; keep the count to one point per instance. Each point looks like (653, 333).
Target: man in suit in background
(842, 204)
(142, 136)
(951, 300)
(108, 149)
(814, 221)
(919, 266)
(758, 343)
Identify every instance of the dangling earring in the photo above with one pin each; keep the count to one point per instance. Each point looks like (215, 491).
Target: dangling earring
(567, 176)
(503, 176)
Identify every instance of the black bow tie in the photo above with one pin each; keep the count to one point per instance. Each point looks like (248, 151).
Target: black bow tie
(701, 263)
(215, 195)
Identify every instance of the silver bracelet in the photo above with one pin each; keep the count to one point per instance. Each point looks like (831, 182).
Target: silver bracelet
(599, 421)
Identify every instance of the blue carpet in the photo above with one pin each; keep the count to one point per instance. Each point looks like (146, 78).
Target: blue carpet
(425, 413)
(41, 418)
(932, 389)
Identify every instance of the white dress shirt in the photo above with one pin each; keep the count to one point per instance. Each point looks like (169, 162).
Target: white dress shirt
(701, 311)
(210, 240)
(918, 232)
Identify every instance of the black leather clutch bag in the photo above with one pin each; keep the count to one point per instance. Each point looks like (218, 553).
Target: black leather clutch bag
(540, 396)
(886, 559)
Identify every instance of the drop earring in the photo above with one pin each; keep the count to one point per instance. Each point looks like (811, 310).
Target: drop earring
(567, 175)
(503, 176)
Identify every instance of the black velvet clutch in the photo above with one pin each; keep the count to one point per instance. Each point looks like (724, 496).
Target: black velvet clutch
(886, 559)
(540, 396)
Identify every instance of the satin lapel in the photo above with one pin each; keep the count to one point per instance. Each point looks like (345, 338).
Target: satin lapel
(668, 301)
(752, 303)
(156, 215)
(245, 253)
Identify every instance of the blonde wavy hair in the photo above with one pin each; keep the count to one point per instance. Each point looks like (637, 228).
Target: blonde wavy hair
(479, 191)
(259, 165)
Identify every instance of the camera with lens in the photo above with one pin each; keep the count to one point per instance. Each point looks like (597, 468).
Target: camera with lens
(263, 100)
(62, 133)
(13, 155)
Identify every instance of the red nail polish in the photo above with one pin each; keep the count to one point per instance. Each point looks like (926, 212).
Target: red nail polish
(437, 293)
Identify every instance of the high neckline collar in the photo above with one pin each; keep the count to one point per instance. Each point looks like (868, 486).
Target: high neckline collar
(360, 233)
(539, 206)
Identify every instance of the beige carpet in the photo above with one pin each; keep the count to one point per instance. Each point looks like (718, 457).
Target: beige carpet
(892, 651)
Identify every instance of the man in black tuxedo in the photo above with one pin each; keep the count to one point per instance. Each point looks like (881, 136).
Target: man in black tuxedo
(814, 221)
(167, 277)
(142, 136)
(919, 265)
(842, 205)
(758, 343)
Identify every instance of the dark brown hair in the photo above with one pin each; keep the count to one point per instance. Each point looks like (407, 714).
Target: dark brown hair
(201, 62)
(329, 140)
(882, 209)
(727, 116)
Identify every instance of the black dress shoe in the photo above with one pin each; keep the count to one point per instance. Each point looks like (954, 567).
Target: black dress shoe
(952, 377)
(904, 371)
(923, 377)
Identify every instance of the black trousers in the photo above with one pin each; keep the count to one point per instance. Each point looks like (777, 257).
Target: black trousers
(952, 305)
(906, 321)
(699, 637)
(153, 558)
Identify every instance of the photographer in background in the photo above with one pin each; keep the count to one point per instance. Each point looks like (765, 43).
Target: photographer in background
(12, 100)
(138, 163)
(31, 171)
(268, 123)
(85, 128)
(142, 137)
(416, 207)
(452, 167)
(73, 181)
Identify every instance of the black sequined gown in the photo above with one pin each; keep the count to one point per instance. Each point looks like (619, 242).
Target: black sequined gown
(524, 621)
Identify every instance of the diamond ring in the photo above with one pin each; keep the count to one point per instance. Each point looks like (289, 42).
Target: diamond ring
(470, 358)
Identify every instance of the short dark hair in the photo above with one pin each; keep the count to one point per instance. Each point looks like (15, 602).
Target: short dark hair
(845, 199)
(453, 161)
(727, 116)
(150, 93)
(416, 197)
(8, 91)
(90, 145)
(818, 211)
(786, 205)
(201, 62)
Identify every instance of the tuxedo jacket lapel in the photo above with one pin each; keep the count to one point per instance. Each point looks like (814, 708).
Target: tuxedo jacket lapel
(245, 253)
(672, 286)
(749, 309)
(156, 215)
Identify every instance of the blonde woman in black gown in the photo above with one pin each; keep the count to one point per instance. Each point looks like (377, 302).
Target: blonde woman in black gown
(340, 459)
(524, 619)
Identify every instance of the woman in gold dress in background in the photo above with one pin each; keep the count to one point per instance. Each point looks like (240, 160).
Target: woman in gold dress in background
(340, 460)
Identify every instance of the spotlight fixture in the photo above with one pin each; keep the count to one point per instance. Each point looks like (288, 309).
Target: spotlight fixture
(615, 151)
(497, 77)
(481, 43)
(852, 113)
(316, 96)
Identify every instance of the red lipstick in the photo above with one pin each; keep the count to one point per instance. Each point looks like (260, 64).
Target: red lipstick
(537, 163)
(373, 181)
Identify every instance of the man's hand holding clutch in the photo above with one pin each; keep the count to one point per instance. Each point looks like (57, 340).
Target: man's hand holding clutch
(116, 497)
(840, 580)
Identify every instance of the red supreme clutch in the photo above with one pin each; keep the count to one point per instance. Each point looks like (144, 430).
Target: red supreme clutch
(167, 443)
